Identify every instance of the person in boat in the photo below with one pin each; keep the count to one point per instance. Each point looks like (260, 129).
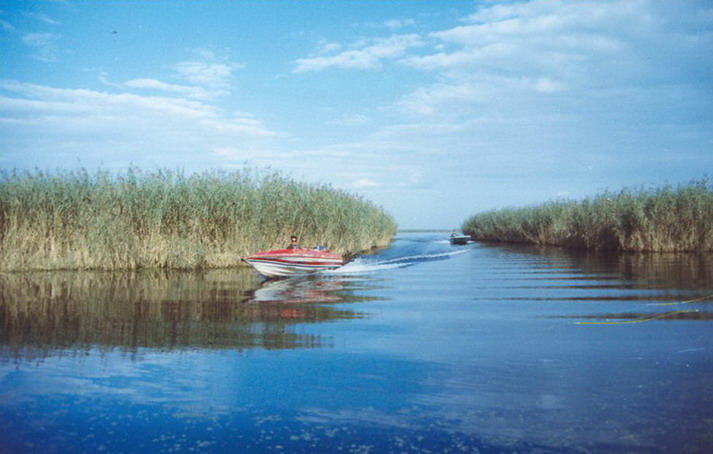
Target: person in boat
(293, 243)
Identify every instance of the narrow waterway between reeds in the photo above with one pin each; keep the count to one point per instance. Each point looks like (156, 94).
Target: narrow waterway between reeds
(422, 347)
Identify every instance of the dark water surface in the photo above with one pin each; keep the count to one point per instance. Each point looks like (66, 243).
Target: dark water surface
(424, 347)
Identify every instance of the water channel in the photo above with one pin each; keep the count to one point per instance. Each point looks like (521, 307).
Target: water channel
(424, 347)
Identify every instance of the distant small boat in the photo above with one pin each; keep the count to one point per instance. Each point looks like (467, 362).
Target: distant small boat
(459, 239)
(293, 262)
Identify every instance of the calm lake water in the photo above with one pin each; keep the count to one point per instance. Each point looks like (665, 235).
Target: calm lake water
(421, 348)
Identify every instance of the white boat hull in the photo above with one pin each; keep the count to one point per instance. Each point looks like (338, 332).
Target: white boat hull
(288, 263)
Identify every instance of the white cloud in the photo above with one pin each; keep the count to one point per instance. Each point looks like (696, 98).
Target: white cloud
(328, 48)
(510, 55)
(7, 26)
(206, 73)
(45, 44)
(365, 183)
(96, 126)
(398, 23)
(364, 54)
(152, 84)
(212, 73)
(205, 79)
(43, 18)
(545, 85)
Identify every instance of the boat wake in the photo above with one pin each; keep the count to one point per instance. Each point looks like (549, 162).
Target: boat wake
(399, 256)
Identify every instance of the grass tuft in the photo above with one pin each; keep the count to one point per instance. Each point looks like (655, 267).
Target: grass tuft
(665, 219)
(166, 219)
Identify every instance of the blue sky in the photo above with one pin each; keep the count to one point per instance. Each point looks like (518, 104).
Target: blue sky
(434, 110)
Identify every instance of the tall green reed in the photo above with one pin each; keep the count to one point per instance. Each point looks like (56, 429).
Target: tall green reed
(661, 219)
(166, 219)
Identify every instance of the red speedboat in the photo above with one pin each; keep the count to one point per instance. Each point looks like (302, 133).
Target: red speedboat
(293, 262)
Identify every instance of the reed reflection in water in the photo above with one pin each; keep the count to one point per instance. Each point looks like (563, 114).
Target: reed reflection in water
(675, 283)
(51, 313)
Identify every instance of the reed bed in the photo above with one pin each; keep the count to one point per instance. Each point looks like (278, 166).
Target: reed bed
(165, 219)
(665, 219)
